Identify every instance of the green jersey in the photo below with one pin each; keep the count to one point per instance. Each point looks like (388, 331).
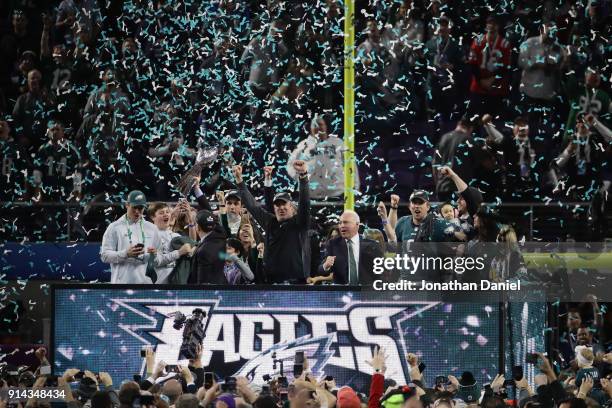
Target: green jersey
(406, 230)
(586, 100)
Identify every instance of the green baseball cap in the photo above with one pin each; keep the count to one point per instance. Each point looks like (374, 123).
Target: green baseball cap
(137, 197)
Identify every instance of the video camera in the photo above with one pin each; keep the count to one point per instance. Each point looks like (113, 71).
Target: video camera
(193, 332)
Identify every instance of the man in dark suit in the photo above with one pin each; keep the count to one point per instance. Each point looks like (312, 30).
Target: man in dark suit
(207, 265)
(349, 257)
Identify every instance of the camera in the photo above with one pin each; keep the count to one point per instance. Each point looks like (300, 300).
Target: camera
(193, 332)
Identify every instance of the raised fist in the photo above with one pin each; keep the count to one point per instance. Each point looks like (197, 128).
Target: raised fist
(268, 172)
(300, 167)
(237, 170)
(395, 199)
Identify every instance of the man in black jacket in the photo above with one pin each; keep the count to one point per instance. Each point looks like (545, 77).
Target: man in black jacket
(349, 257)
(207, 265)
(286, 240)
(456, 150)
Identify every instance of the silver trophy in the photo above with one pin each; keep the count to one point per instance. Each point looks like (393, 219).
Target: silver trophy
(206, 156)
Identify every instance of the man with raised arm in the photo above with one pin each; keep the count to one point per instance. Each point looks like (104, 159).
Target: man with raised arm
(286, 231)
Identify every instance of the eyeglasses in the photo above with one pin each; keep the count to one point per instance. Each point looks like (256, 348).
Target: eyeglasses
(138, 207)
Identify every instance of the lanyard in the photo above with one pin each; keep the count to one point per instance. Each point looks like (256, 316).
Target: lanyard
(129, 232)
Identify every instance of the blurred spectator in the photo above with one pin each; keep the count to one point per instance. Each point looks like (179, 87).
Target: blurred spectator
(582, 158)
(31, 112)
(68, 79)
(323, 154)
(406, 30)
(110, 87)
(101, 399)
(540, 59)
(587, 97)
(490, 63)
(445, 63)
(522, 169)
(57, 175)
(265, 56)
(457, 150)
(19, 75)
(84, 13)
(14, 165)
(21, 37)
(103, 137)
(168, 151)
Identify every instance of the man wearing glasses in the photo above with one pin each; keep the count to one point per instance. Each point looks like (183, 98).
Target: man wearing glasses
(133, 247)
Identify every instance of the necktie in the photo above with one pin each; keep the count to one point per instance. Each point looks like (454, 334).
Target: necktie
(353, 278)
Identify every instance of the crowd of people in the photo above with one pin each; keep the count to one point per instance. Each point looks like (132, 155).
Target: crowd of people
(583, 380)
(100, 99)
(245, 241)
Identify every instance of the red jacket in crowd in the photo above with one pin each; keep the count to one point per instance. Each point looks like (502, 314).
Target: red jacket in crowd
(376, 390)
(490, 60)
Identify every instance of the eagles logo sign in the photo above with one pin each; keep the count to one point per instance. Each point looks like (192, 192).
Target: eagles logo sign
(253, 333)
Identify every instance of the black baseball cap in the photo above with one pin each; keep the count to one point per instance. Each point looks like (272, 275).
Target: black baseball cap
(468, 391)
(206, 218)
(233, 194)
(476, 194)
(285, 197)
(419, 195)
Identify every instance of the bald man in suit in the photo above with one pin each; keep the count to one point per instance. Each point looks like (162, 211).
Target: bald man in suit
(349, 257)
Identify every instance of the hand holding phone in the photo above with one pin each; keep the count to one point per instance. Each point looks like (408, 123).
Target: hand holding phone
(517, 373)
(209, 380)
(298, 364)
(135, 250)
(172, 368)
